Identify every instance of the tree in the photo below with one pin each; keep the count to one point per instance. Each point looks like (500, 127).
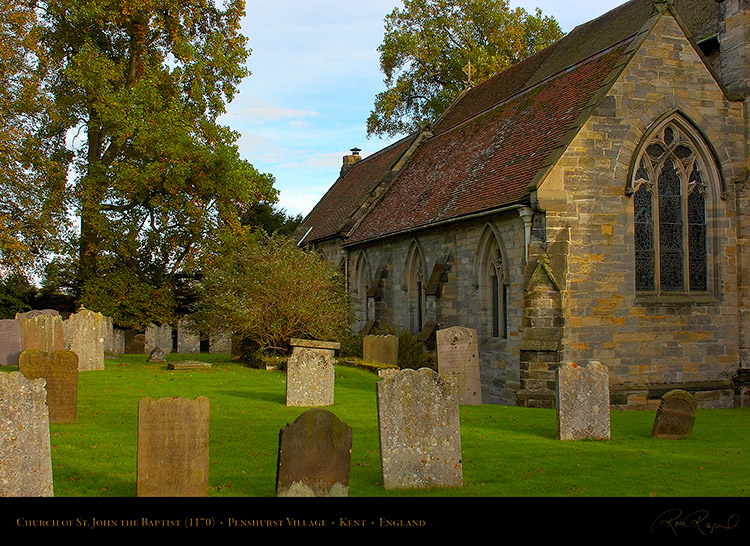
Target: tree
(155, 176)
(428, 46)
(33, 223)
(268, 290)
(270, 219)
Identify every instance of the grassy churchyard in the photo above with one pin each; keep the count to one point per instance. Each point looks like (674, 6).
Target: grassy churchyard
(507, 451)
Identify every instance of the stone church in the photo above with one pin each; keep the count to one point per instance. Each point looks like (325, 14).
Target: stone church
(589, 203)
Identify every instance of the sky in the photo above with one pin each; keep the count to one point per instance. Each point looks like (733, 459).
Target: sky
(315, 74)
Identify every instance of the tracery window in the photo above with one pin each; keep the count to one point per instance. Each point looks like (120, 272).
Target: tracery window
(671, 203)
(415, 286)
(491, 279)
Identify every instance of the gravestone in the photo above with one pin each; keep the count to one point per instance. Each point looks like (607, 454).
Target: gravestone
(188, 341)
(158, 336)
(157, 355)
(219, 342)
(420, 439)
(311, 373)
(109, 338)
(60, 371)
(25, 455)
(135, 342)
(583, 401)
(173, 436)
(11, 343)
(458, 356)
(188, 365)
(86, 339)
(675, 416)
(314, 456)
(382, 349)
(44, 332)
(118, 341)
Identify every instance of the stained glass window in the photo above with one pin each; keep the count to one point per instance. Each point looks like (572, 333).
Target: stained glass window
(670, 219)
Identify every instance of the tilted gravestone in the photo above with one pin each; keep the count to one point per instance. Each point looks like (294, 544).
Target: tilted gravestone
(675, 416)
(314, 456)
(420, 438)
(44, 332)
(11, 343)
(60, 371)
(173, 436)
(86, 331)
(583, 401)
(458, 356)
(311, 373)
(382, 349)
(25, 455)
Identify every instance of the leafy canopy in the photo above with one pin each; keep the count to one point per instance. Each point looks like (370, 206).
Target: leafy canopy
(428, 44)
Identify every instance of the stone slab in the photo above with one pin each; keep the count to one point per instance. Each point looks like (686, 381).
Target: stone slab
(60, 371)
(173, 436)
(86, 331)
(11, 342)
(314, 456)
(675, 416)
(188, 365)
(25, 455)
(458, 356)
(44, 332)
(311, 375)
(419, 428)
(380, 348)
(582, 400)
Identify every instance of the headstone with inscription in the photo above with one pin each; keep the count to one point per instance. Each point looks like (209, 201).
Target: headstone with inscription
(60, 371)
(458, 356)
(11, 343)
(380, 348)
(311, 373)
(173, 435)
(25, 455)
(583, 401)
(420, 437)
(86, 331)
(314, 456)
(675, 416)
(44, 332)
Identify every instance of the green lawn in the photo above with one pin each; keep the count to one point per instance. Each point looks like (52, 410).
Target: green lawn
(507, 451)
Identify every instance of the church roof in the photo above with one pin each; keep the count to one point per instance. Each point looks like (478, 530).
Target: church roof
(494, 142)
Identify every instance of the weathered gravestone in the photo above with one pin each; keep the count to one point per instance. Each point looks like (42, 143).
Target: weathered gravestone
(458, 356)
(25, 456)
(188, 341)
(311, 373)
(11, 343)
(118, 341)
(135, 342)
(173, 438)
(314, 456)
(158, 336)
(675, 416)
(420, 438)
(85, 330)
(583, 401)
(157, 355)
(383, 349)
(188, 365)
(60, 371)
(219, 342)
(44, 332)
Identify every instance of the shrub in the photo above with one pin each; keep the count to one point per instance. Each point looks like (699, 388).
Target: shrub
(267, 290)
(412, 354)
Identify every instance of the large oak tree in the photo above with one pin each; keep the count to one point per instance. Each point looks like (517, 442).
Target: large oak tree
(429, 45)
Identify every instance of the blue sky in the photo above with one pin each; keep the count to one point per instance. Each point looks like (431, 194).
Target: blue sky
(315, 73)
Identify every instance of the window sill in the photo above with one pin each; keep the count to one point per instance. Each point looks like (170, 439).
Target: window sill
(676, 299)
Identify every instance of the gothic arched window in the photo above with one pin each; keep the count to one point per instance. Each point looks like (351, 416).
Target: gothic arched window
(671, 206)
(492, 281)
(415, 286)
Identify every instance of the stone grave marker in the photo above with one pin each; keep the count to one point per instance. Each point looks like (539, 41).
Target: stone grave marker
(25, 455)
(44, 332)
(118, 342)
(86, 331)
(188, 341)
(158, 336)
(314, 456)
(383, 349)
(60, 371)
(311, 373)
(420, 439)
(157, 355)
(219, 342)
(583, 401)
(675, 416)
(11, 343)
(188, 365)
(458, 356)
(173, 436)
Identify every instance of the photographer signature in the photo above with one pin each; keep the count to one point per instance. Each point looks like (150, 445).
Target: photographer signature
(698, 520)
